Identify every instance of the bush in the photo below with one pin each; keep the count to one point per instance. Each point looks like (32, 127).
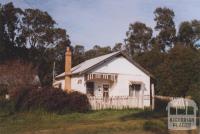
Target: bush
(50, 99)
(194, 94)
(156, 126)
(3, 90)
(6, 107)
(161, 104)
(16, 74)
(78, 102)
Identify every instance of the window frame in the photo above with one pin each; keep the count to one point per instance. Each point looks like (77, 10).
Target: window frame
(133, 88)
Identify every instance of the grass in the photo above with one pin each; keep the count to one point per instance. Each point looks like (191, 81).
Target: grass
(98, 122)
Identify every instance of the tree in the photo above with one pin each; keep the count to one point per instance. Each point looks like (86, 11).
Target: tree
(37, 28)
(11, 21)
(138, 38)
(117, 47)
(189, 33)
(46, 43)
(179, 71)
(97, 51)
(151, 60)
(165, 26)
(10, 28)
(31, 35)
(78, 55)
(59, 56)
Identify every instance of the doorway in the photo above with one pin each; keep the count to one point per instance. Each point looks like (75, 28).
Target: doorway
(105, 91)
(90, 88)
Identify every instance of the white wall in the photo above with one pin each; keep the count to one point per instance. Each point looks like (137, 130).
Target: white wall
(61, 81)
(74, 83)
(126, 72)
(81, 87)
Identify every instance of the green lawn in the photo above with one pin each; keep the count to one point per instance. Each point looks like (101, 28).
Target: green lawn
(95, 122)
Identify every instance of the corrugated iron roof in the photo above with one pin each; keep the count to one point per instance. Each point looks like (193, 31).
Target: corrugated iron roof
(91, 63)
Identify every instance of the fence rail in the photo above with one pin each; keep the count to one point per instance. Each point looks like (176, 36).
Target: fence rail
(117, 102)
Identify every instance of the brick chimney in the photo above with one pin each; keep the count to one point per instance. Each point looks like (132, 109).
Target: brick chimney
(68, 64)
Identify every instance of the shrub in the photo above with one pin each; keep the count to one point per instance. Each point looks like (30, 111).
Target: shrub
(194, 94)
(78, 102)
(156, 126)
(18, 97)
(50, 99)
(3, 90)
(161, 104)
(17, 74)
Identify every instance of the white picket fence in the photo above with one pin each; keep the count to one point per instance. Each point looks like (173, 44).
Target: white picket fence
(116, 102)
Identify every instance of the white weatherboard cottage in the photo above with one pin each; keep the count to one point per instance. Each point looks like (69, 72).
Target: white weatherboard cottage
(110, 81)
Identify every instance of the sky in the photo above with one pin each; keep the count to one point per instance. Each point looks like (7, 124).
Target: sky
(105, 22)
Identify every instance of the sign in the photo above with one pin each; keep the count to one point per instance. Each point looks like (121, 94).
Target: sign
(182, 114)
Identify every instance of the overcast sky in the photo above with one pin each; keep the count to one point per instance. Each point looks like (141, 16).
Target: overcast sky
(105, 22)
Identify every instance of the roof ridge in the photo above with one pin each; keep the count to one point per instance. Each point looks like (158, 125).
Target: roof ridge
(88, 61)
(92, 63)
(96, 58)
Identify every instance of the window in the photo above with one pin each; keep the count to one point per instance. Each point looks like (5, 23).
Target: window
(190, 110)
(172, 111)
(79, 81)
(181, 111)
(134, 90)
(90, 88)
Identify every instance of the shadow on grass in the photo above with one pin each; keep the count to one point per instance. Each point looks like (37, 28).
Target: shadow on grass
(155, 121)
(145, 114)
(156, 126)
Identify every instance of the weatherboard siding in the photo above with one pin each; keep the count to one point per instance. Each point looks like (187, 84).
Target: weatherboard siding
(78, 84)
(126, 72)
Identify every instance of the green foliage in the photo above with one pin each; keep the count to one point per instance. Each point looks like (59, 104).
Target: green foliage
(78, 102)
(151, 59)
(138, 38)
(166, 27)
(31, 35)
(117, 47)
(50, 99)
(189, 33)
(161, 104)
(7, 37)
(97, 51)
(194, 92)
(80, 55)
(176, 72)
(179, 71)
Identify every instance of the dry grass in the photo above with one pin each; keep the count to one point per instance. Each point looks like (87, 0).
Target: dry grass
(99, 122)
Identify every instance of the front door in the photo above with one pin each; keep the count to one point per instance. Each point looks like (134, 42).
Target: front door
(105, 90)
(90, 88)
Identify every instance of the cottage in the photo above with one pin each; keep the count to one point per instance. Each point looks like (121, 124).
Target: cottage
(110, 81)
